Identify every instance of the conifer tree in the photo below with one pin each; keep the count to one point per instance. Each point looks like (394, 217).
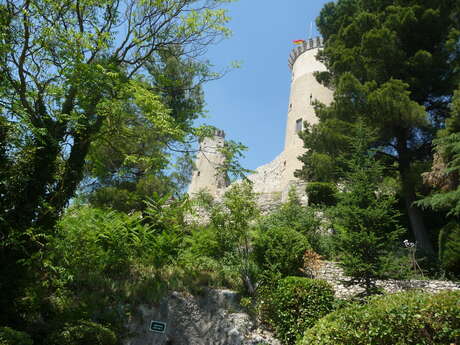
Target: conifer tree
(365, 218)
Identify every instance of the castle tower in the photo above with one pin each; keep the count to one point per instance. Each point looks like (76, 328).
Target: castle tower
(273, 180)
(206, 175)
(305, 89)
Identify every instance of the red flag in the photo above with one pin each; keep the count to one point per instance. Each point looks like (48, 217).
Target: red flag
(298, 41)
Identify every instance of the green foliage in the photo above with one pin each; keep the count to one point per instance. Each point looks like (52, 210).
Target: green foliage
(129, 196)
(321, 193)
(203, 242)
(280, 250)
(206, 265)
(9, 336)
(90, 242)
(232, 218)
(232, 221)
(365, 219)
(73, 82)
(404, 318)
(294, 216)
(449, 248)
(446, 195)
(101, 263)
(394, 65)
(233, 152)
(134, 146)
(295, 305)
(83, 333)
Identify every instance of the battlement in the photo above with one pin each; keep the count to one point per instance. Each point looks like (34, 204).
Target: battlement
(309, 44)
(215, 134)
(219, 133)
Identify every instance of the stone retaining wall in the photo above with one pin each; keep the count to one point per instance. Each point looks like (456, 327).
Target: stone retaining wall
(332, 273)
(215, 317)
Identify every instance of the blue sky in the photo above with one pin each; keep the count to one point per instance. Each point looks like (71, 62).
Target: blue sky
(250, 103)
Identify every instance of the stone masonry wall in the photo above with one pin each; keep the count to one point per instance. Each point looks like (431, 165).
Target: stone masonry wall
(332, 273)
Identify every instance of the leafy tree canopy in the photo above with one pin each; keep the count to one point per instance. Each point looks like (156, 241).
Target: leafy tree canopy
(71, 71)
(67, 68)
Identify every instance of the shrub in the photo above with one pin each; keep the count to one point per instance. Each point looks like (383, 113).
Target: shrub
(9, 336)
(83, 333)
(321, 193)
(280, 249)
(232, 222)
(405, 318)
(449, 248)
(295, 305)
(294, 215)
(202, 241)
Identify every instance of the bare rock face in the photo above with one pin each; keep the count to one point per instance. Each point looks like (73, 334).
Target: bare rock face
(215, 318)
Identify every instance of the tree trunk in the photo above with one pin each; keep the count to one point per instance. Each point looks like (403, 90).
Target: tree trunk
(417, 224)
(73, 173)
(30, 194)
(415, 215)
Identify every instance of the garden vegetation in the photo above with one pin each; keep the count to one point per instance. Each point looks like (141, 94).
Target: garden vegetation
(97, 107)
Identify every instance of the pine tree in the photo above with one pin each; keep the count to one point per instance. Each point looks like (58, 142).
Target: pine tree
(394, 64)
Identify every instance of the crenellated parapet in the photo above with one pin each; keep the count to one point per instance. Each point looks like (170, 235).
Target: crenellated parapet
(312, 43)
(219, 133)
(216, 133)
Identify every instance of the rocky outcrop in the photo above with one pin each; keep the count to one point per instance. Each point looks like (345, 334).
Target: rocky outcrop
(214, 318)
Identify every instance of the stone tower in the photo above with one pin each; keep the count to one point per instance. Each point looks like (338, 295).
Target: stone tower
(305, 89)
(206, 175)
(278, 176)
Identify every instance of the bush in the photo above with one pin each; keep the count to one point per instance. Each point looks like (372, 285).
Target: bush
(294, 215)
(295, 305)
(9, 336)
(280, 249)
(449, 248)
(83, 333)
(102, 261)
(321, 193)
(405, 318)
(203, 241)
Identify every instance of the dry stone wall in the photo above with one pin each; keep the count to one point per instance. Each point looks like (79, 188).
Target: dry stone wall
(332, 273)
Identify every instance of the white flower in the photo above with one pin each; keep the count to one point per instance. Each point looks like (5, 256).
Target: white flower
(408, 244)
